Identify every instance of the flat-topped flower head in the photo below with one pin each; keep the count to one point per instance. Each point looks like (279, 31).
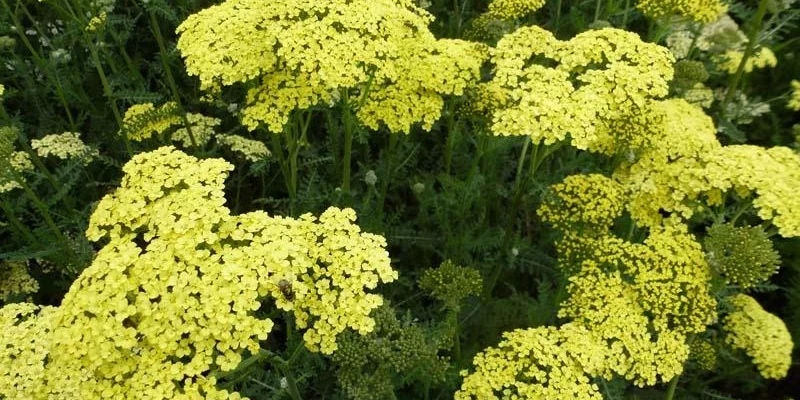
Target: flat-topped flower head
(300, 54)
(761, 335)
(538, 363)
(698, 10)
(743, 255)
(581, 90)
(64, 146)
(173, 292)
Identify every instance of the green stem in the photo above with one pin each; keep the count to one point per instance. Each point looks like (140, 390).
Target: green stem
(558, 17)
(283, 367)
(672, 386)
(16, 223)
(40, 62)
(394, 138)
(452, 133)
(348, 144)
(456, 338)
(107, 91)
(597, 10)
(278, 151)
(162, 53)
(755, 28)
(42, 207)
(625, 15)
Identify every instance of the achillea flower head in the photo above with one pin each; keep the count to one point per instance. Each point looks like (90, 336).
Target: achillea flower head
(13, 164)
(513, 9)
(538, 363)
(763, 336)
(762, 58)
(450, 283)
(609, 309)
(703, 354)
(173, 293)
(697, 10)
(141, 121)
(249, 149)
(583, 202)
(380, 53)
(617, 77)
(64, 146)
(202, 129)
(25, 331)
(743, 255)
(15, 280)
(794, 101)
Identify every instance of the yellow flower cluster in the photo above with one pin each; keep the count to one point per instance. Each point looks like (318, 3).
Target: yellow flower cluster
(141, 121)
(608, 307)
(64, 146)
(702, 352)
(513, 9)
(687, 169)
(376, 54)
(97, 22)
(794, 101)
(697, 10)
(539, 363)
(173, 294)
(761, 335)
(202, 129)
(641, 299)
(762, 58)
(13, 164)
(251, 150)
(586, 201)
(2, 89)
(15, 280)
(587, 89)
(25, 336)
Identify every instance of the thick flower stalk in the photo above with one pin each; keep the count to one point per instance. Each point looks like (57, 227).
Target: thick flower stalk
(378, 56)
(585, 90)
(172, 295)
(761, 335)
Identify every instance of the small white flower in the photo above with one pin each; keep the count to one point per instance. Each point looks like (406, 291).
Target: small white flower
(284, 383)
(418, 188)
(233, 107)
(515, 251)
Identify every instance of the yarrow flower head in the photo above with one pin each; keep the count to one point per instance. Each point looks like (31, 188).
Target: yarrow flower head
(450, 283)
(512, 9)
(15, 280)
(583, 201)
(13, 164)
(697, 10)
(201, 129)
(743, 255)
(538, 363)
(64, 146)
(378, 53)
(173, 292)
(142, 121)
(794, 101)
(582, 90)
(762, 58)
(761, 335)
(249, 149)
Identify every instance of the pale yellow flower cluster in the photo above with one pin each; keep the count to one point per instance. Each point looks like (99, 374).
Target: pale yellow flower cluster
(794, 101)
(697, 10)
(378, 55)
(142, 121)
(763, 336)
(15, 280)
(64, 146)
(592, 90)
(687, 170)
(555, 363)
(249, 149)
(13, 164)
(762, 58)
(202, 129)
(173, 294)
(512, 9)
